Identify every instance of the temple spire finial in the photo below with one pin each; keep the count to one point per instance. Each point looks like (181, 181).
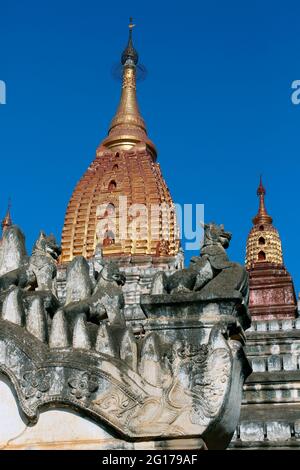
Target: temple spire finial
(128, 128)
(130, 55)
(262, 216)
(261, 190)
(7, 221)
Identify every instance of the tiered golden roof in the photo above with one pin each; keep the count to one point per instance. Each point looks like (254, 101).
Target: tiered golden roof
(125, 166)
(263, 243)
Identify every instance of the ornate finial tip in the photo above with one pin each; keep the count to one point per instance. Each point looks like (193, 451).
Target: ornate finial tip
(130, 55)
(131, 25)
(261, 190)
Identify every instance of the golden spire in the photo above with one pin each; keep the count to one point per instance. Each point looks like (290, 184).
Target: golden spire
(263, 242)
(128, 127)
(262, 216)
(7, 222)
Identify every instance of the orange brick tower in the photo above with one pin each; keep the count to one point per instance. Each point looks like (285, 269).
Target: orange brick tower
(272, 294)
(122, 202)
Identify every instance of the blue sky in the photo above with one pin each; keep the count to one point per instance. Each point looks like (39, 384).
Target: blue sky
(217, 102)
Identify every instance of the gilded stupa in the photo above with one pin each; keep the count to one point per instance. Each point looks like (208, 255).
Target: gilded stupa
(263, 242)
(272, 294)
(122, 202)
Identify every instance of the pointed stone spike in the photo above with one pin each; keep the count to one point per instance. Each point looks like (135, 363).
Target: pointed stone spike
(104, 342)
(150, 365)
(13, 251)
(59, 331)
(78, 283)
(159, 283)
(12, 309)
(81, 338)
(36, 323)
(128, 350)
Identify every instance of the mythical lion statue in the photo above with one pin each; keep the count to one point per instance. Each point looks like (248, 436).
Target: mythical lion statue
(34, 278)
(43, 261)
(30, 273)
(210, 273)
